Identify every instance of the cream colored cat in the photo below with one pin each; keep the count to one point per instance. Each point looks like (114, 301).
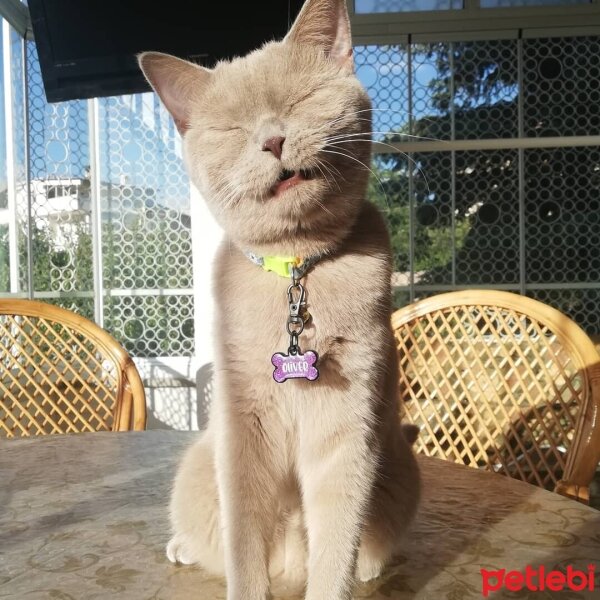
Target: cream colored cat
(301, 482)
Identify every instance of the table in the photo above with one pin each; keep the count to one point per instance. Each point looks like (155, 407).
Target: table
(83, 516)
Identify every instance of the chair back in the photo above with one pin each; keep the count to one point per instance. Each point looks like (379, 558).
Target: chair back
(500, 381)
(61, 373)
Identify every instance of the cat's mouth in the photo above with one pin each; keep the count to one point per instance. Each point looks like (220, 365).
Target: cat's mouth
(288, 179)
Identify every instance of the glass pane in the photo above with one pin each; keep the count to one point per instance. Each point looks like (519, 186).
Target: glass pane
(4, 216)
(509, 3)
(562, 215)
(390, 6)
(384, 73)
(3, 196)
(561, 87)
(146, 229)
(432, 201)
(61, 236)
(431, 91)
(388, 189)
(145, 220)
(12, 235)
(487, 217)
(582, 305)
(485, 89)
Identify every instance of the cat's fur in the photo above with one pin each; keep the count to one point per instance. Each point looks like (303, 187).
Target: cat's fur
(301, 481)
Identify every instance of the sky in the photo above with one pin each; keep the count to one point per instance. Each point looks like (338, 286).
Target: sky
(138, 143)
(135, 129)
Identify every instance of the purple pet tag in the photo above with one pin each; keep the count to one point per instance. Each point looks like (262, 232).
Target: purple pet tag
(295, 366)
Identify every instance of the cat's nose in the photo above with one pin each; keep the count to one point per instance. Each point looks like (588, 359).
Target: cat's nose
(275, 145)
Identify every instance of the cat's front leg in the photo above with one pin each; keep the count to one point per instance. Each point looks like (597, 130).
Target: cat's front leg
(336, 469)
(249, 476)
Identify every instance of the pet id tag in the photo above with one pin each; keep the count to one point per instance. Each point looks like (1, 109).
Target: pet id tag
(295, 366)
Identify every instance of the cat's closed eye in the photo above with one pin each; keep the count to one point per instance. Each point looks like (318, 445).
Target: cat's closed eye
(295, 101)
(226, 129)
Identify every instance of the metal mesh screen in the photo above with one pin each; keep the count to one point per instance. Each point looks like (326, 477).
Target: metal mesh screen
(384, 6)
(560, 86)
(487, 224)
(99, 183)
(512, 213)
(59, 189)
(146, 237)
(384, 68)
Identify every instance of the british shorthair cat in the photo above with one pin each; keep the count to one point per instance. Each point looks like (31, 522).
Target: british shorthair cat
(304, 475)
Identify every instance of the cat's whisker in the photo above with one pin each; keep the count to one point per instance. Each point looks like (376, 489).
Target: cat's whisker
(233, 191)
(408, 158)
(389, 109)
(325, 208)
(322, 166)
(360, 162)
(332, 167)
(318, 166)
(390, 132)
(227, 194)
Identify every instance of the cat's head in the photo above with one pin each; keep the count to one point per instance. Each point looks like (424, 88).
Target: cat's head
(276, 141)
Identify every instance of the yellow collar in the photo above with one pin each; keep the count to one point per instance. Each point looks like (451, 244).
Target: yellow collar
(284, 266)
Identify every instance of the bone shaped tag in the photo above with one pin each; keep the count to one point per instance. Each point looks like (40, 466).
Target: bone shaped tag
(295, 366)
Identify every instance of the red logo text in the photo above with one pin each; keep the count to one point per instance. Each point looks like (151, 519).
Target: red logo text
(537, 580)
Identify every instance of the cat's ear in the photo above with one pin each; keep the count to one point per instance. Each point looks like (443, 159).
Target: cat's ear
(176, 81)
(325, 23)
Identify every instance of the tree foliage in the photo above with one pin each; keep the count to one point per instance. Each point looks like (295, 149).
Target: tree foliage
(476, 91)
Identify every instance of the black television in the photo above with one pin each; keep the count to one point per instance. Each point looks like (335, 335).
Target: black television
(87, 48)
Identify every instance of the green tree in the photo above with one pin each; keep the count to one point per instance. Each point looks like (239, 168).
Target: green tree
(560, 95)
(4, 259)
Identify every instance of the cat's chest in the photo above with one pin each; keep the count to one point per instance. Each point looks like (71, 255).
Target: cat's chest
(255, 311)
(267, 314)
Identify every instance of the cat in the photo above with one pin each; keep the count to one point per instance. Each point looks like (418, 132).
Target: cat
(309, 483)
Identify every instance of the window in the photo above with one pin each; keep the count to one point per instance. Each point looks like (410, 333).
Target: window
(390, 6)
(102, 223)
(487, 166)
(509, 3)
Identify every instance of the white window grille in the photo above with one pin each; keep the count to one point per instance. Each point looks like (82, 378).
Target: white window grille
(488, 152)
(95, 217)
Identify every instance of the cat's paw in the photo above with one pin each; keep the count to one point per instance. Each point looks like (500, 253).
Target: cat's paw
(179, 551)
(291, 582)
(368, 568)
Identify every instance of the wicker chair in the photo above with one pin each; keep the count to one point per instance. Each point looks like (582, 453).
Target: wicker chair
(499, 381)
(60, 373)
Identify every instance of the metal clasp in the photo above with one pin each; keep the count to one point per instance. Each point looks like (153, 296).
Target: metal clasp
(297, 305)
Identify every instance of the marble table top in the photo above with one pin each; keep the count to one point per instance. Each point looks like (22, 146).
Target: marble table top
(83, 516)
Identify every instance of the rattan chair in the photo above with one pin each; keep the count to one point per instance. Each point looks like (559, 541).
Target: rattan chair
(61, 373)
(499, 381)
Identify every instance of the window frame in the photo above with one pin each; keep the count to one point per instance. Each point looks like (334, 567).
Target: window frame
(474, 22)
(519, 24)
